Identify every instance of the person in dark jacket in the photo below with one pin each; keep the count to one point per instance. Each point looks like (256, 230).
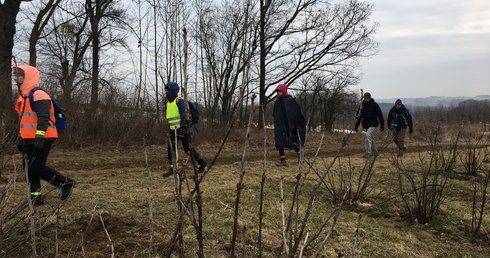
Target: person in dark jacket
(370, 117)
(289, 123)
(37, 133)
(176, 115)
(399, 119)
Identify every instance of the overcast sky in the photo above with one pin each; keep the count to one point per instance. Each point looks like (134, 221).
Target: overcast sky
(429, 48)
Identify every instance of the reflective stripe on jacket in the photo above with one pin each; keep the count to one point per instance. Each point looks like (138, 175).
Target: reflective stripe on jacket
(29, 120)
(173, 114)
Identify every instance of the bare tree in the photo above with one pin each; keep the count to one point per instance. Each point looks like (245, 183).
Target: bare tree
(8, 13)
(326, 99)
(67, 39)
(103, 15)
(65, 46)
(297, 38)
(227, 37)
(39, 17)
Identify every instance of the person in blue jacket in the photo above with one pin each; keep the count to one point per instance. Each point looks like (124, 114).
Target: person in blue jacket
(176, 114)
(399, 118)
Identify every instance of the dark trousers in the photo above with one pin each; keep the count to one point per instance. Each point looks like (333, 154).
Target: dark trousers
(37, 169)
(185, 144)
(399, 138)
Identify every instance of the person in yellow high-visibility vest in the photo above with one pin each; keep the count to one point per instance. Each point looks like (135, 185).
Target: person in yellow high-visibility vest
(176, 112)
(37, 133)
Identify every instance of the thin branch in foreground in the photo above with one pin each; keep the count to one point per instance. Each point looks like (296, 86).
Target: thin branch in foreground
(303, 244)
(356, 239)
(240, 181)
(262, 185)
(107, 233)
(150, 197)
(284, 236)
(32, 227)
(334, 223)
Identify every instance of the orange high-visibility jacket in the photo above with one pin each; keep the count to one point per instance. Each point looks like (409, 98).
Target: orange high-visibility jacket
(28, 117)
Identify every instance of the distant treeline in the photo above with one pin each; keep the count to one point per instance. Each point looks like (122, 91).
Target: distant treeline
(465, 112)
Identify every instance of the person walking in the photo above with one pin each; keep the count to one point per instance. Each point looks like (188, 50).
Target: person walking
(289, 124)
(370, 117)
(37, 133)
(176, 114)
(399, 118)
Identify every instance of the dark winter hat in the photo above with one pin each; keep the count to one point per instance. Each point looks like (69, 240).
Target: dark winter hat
(367, 95)
(398, 102)
(18, 71)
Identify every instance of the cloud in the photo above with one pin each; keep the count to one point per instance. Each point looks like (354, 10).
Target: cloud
(430, 48)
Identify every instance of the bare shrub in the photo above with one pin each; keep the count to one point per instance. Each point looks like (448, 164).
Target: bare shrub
(474, 154)
(476, 159)
(19, 224)
(422, 184)
(299, 235)
(479, 200)
(111, 125)
(352, 182)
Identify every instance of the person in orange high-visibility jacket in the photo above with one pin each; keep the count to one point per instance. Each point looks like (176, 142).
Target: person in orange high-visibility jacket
(37, 133)
(175, 114)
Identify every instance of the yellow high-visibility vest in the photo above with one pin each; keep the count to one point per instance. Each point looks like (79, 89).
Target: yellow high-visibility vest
(173, 114)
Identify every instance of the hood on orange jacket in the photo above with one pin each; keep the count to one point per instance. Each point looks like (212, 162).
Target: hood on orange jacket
(31, 78)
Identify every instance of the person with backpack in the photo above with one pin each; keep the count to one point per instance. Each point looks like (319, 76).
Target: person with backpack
(370, 116)
(399, 118)
(289, 124)
(37, 132)
(176, 117)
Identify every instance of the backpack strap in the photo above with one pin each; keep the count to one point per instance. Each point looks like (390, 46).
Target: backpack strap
(31, 97)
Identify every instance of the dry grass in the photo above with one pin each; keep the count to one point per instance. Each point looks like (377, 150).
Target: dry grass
(115, 181)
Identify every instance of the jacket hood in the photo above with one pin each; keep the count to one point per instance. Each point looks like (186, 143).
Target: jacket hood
(31, 78)
(283, 88)
(173, 88)
(369, 102)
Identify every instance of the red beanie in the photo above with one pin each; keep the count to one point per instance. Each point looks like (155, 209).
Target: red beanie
(283, 88)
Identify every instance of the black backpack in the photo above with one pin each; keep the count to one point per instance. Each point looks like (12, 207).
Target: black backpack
(194, 112)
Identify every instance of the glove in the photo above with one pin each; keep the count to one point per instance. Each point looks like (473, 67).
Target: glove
(410, 130)
(182, 132)
(356, 128)
(39, 141)
(20, 144)
(382, 128)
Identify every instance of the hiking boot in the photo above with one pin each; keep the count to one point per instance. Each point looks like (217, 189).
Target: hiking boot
(169, 172)
(37, 200)
(202, 166)
(66, 190)
(367, 156)
(282, 163)
(400, 152)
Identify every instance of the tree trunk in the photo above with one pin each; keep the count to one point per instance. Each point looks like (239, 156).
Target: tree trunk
(263, 53)
(39, 24)
(8, 14)
(94, 16)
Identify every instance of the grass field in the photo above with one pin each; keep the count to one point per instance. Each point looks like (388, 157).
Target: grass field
(111, 212)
